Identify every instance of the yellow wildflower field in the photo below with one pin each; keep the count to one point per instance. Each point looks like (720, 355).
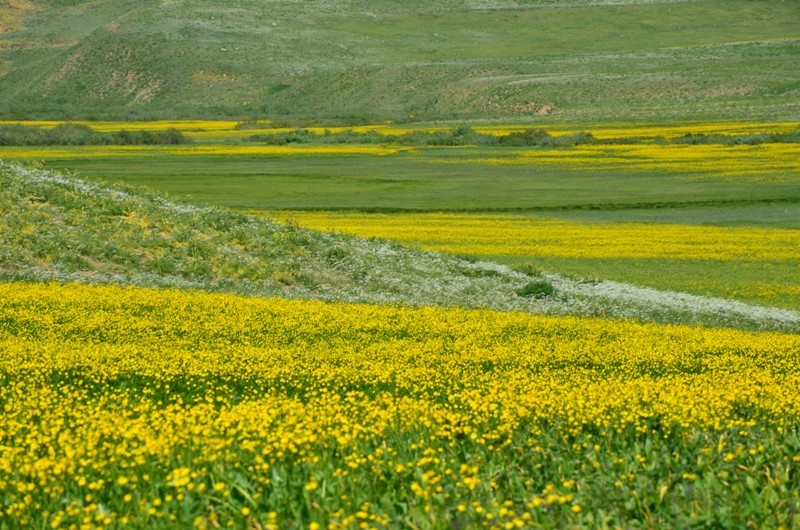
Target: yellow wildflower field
(155, 125)
(122, 151)
(777, 162)
(128, 406)
(518, 235)
(669, 131)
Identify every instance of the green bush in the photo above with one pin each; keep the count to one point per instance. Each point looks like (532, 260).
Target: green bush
(76, 134)
(537, 289)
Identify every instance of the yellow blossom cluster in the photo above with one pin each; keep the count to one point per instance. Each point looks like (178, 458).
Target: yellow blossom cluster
(155, 125)
(135, 406)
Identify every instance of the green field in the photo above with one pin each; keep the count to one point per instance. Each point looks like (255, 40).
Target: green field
(442, 179)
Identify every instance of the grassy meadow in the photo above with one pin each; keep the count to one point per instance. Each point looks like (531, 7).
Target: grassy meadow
(348, 264)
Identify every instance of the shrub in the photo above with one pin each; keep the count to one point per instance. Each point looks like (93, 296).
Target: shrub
(537, 289)
(76, 134)
(69, 134)
(336, 254)
(528, 137)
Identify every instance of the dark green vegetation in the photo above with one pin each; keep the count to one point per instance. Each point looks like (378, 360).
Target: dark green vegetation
(531, 137)
(538, 289)
(73, 134)
(357, 60)
(456, 137)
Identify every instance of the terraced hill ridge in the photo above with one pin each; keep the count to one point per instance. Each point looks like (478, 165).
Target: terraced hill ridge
(357, 60)
(57, 227)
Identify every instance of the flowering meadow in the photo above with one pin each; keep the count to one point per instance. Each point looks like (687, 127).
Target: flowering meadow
(138, 408)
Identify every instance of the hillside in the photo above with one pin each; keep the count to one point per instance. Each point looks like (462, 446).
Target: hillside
(57, 227)
(353, 61)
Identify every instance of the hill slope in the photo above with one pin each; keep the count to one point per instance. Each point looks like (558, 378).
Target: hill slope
(354, 60)
(58, 227)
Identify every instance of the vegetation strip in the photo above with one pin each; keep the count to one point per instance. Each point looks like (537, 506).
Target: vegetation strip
(78, 134)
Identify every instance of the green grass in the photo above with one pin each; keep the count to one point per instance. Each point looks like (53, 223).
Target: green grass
(363, 61)
(775, 215)
(432, 179)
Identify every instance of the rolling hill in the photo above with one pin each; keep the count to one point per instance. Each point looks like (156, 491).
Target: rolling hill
(354, 61)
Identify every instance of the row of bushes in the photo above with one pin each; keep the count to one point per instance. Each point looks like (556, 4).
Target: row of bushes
(747, 139)
(455, 137)
(75, 134)
(525, 138)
